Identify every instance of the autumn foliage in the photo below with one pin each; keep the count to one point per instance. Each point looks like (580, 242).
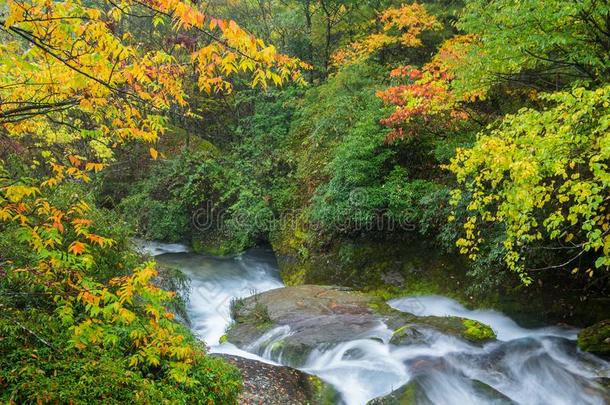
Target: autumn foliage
(75, 82)
(481, 125)
(400, 26)
(71, 72)
(425, 95)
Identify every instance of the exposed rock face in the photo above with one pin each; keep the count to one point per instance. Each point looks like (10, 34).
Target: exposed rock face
(596, 338)
(292, 321)
(314, 314)
(408, 265)
(266, 384)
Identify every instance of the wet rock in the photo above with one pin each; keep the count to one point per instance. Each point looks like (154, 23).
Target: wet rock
(408, 326)
(596, 338)
(602, 386)
(491, 394)
(315, 315)
(414, 392)
(408, 394)
(266, 384)
(407, 334)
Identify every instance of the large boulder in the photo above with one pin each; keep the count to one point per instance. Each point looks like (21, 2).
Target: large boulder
(267, 384)
(290, 322)
(313, 315)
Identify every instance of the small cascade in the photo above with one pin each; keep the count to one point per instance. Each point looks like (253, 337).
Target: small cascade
(525, 366)
(505, 328)
(269, 346)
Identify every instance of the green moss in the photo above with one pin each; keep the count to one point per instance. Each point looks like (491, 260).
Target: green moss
(294, 258)
(323, 394)
(420, 287)
(401, 330)
(294, 273)
(476, 331)
(409, 394)
(213, 248)
(406, 395)
(596, 338)
(278, 346)
(379, 306)
(223, 339)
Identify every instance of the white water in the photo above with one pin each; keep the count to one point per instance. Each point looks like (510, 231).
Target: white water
(529, 366)
(158, 248)
(506, 329)
(217, 281)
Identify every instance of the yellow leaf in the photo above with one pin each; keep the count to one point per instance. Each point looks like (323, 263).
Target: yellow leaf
(153, 153)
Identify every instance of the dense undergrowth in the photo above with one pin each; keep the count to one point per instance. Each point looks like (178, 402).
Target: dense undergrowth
(394, 145)
(40, 360)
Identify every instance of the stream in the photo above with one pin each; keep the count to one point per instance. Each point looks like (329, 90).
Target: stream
(525, 366)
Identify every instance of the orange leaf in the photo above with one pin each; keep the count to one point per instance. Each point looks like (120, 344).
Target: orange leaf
(74, 160)
(77, 248)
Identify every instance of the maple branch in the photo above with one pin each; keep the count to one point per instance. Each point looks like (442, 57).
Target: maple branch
(29, 37)
(37, 42)
(205, 32)
(33, 109)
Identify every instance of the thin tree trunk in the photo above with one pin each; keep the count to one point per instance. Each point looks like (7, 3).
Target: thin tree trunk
(308, 26)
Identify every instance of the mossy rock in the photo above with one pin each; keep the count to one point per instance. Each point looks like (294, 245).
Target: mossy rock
(477, 332)
(217, 248)
(407, 334)
(596, 338)
(407, 328)
(325, 315)
(414, 393)
(323, 393)
(408, 394)
(256, 313)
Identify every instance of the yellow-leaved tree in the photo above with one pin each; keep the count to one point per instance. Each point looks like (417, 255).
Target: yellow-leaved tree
(78, 78)
(402, 26)
(72, 70)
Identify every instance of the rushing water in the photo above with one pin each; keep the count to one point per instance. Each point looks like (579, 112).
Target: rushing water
(526, 366)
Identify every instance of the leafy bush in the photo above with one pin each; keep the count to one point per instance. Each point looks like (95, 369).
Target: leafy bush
(154, 206)
(244, 187)
(81, 341)
(37, 364)
(539, 176)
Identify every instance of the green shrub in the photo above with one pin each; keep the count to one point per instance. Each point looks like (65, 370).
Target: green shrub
(37, 365)
(39, 362)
